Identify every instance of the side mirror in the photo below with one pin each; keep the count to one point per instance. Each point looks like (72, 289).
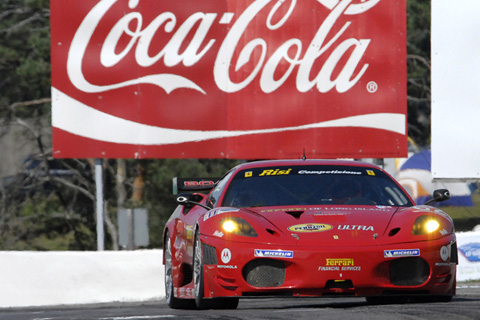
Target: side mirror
(439, 196)
(189, 200)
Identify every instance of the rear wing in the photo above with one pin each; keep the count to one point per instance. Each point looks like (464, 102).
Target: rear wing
(193, 184)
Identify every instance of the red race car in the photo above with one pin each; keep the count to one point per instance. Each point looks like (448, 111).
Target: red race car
(306, 228)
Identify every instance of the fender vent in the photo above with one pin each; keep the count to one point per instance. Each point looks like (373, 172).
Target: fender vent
(209, 254)
(393, 232)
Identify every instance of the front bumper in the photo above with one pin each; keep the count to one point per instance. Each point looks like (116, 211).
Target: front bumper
(234, 269)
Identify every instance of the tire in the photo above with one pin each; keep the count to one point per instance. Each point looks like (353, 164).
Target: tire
(172, 302)
(199, 287)
(198, 277)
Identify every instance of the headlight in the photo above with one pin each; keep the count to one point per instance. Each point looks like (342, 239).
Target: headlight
(237, 226)
(425, 225)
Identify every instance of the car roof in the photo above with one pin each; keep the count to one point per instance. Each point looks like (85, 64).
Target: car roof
(301, 162)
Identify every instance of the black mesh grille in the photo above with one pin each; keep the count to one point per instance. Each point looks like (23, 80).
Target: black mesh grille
(209, 254)
(409, 271)
(264, 273)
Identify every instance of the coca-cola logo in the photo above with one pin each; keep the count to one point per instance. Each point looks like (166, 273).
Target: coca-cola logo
(136, 77)
(166, 24)
(358, 8)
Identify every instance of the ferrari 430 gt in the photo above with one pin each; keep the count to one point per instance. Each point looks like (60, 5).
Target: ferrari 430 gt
(306, 228)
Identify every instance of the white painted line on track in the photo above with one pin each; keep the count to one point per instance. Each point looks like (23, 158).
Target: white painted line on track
(468, 287)
(139, 317)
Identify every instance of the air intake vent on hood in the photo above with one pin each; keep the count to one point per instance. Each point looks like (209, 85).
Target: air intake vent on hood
(295, 214)
(393, 232)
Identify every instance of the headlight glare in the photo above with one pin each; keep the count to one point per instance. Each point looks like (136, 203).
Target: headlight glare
(432, 225)
(425, 225)
(230, 226)
(237, 226)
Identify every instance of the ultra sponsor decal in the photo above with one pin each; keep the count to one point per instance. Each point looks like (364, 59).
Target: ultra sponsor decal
(343, 264)
(273, 253)
(355, 227)
(401, 253)
(310, 227)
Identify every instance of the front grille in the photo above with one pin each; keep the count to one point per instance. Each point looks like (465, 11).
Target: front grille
(264, 273)
(209, 254)
(411, 271)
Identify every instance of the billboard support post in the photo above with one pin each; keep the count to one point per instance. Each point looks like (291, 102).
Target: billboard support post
(99, 202)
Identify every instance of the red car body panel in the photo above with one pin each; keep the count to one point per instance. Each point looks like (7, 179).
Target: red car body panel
(321, 249)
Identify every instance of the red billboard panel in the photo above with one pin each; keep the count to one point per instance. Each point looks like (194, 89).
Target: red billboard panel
(228, 78)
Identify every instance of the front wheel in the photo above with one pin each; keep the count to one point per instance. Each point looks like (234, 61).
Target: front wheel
(199, 287)
(172, 302)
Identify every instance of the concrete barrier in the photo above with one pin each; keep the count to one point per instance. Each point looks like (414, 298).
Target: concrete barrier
(468, 256)
(56, 278)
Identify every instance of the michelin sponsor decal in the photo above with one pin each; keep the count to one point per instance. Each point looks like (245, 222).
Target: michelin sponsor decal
(401, 253)
(273, 253)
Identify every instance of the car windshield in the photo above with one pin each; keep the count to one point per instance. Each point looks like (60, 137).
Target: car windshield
(313, 185)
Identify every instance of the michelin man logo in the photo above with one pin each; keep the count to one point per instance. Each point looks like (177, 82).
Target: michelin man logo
(358, 8)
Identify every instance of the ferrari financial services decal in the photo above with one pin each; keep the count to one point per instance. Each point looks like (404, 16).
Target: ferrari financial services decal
(310, 227)
(401, 253)
(273, 253)
(346, 264)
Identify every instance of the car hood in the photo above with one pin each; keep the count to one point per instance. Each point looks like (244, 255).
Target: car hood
(347, 225)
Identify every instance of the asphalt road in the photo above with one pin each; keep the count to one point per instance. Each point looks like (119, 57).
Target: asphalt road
(465, 305)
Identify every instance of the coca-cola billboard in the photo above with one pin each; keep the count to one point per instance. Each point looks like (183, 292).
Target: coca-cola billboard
(228, 78)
